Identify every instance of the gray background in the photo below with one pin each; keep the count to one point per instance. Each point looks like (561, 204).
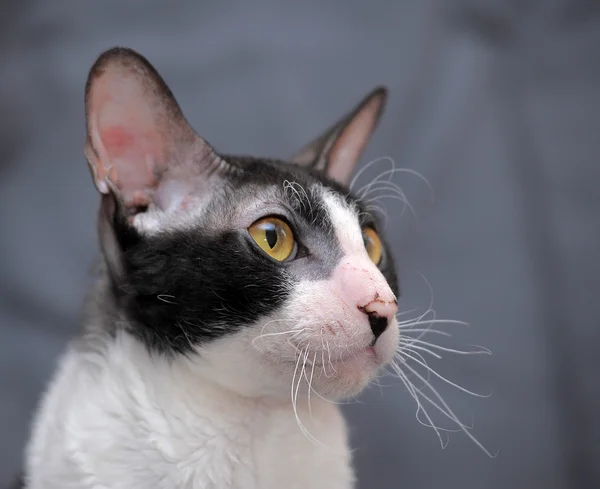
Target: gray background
(496, 103)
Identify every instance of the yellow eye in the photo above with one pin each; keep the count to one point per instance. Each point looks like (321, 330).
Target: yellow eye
(274, 237)
(372, 244)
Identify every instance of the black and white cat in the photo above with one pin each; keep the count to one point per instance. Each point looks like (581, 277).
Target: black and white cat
(236, 298)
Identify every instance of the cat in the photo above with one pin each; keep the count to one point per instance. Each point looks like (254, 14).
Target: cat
(236, 300)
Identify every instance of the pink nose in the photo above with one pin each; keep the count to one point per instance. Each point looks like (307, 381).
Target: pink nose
(360, 283)
(380, 314)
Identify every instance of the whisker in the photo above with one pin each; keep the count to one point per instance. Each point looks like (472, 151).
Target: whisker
(413, 392)
(294, 393)
(391, 172)
(312, 373)
(433, 321)
(365, 188)
(400, 354)
(273, 321)
(411, 346)
(443, 411)
(394, 196)
(417, 321)
(425, 330)
(278, 333)
(373, 208)
(449, 382)
(376, 186)
(412, 349)
(428, 421)
(447, 411)
(410, 341)
(333, 370)
(404, 313)
(420, 317)
(408, 327)
(303, 198)
(379, 186)
(369, 165)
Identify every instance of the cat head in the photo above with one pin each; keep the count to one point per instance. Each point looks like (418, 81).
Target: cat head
(252, 270)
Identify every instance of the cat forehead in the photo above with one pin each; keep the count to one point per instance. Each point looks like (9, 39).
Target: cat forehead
(253, 189)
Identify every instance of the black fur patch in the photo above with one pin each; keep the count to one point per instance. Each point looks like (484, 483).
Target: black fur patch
(182, 289)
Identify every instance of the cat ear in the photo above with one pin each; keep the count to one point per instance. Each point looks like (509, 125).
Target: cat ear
(337, 151)
(137, 136)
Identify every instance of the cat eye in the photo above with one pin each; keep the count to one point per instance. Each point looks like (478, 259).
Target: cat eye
(275, 238)
(373, 244)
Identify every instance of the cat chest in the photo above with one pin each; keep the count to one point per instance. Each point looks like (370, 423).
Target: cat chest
(259, 450)
(211, 448)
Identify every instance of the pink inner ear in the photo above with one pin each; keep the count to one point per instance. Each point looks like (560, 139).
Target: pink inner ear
(117, 140)
(348, 148)
(128, 137)
(132, 157)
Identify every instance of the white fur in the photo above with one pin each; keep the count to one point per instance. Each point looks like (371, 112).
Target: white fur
(347, 230)
(175, 218)
(128, 420)
(247, 411)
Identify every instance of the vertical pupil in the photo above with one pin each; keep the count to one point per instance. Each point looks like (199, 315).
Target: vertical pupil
(271, 236)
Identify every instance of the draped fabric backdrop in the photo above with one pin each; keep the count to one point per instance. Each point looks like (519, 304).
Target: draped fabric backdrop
(495, 103)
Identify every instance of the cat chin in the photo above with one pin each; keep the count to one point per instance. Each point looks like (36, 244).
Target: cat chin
(349, 376)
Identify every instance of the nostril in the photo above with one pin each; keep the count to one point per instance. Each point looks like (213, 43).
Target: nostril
(378, 324)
